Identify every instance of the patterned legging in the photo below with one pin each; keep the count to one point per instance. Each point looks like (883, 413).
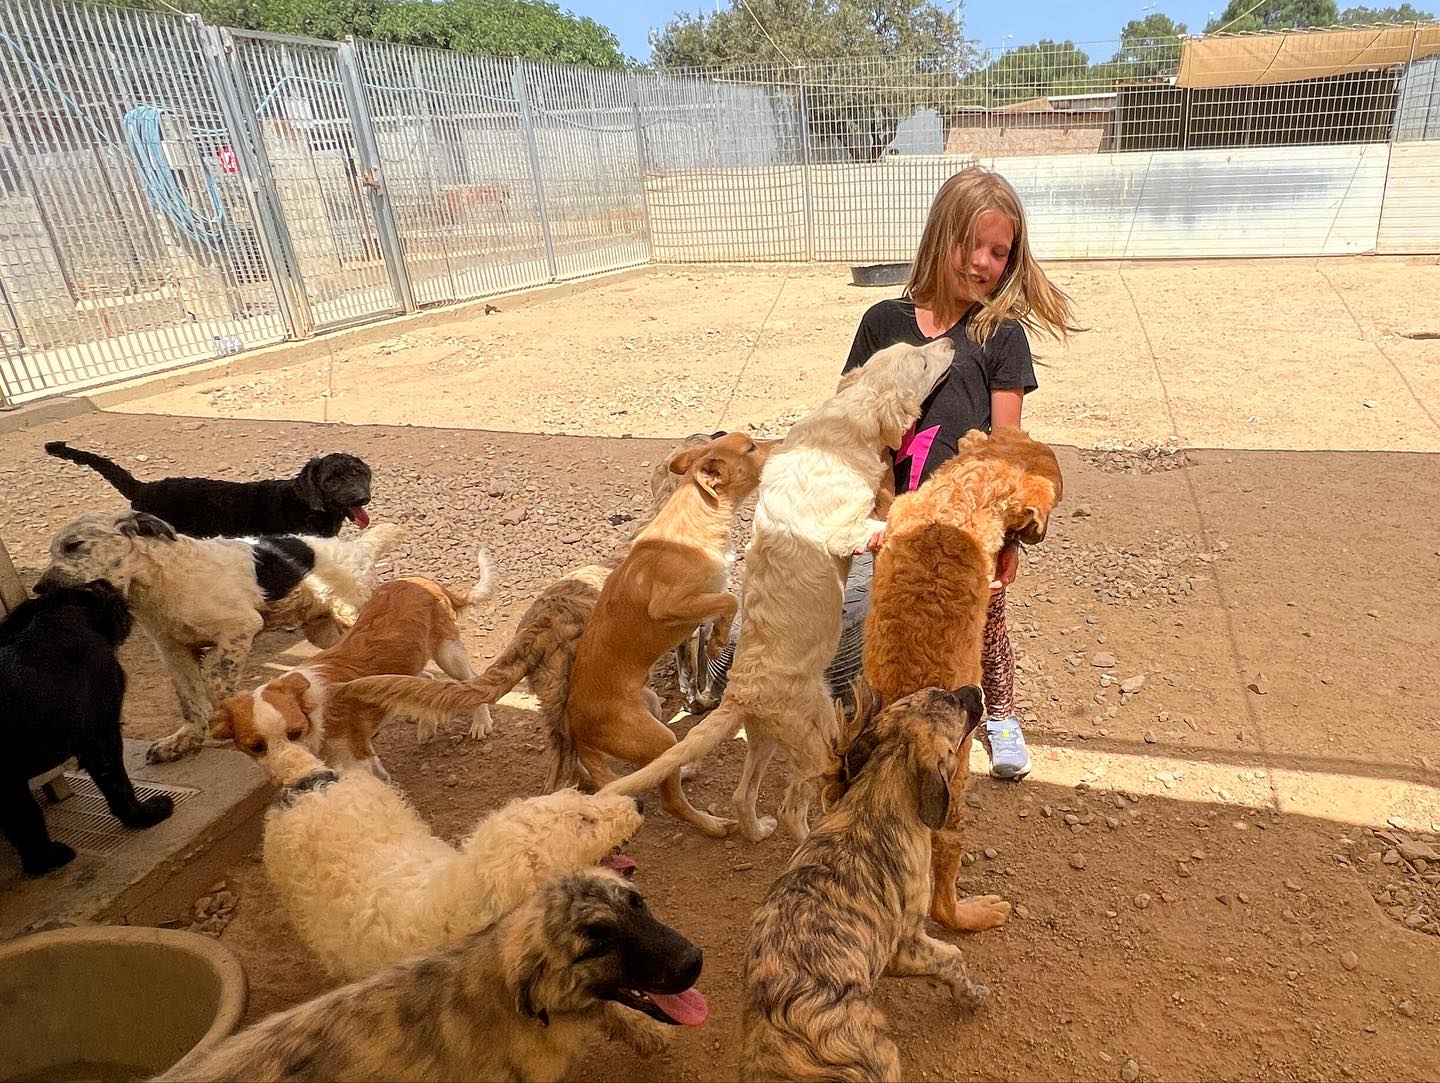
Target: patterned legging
(997, 662)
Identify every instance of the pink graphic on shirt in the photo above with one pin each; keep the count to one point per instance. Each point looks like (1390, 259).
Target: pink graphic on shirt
(916, 446)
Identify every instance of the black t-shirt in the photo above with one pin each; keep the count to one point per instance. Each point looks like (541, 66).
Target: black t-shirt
(962, 401)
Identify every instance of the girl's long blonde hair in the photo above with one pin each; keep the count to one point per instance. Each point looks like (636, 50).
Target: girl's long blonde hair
(1024, 292)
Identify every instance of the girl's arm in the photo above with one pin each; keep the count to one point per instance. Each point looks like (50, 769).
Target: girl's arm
(1005, 405)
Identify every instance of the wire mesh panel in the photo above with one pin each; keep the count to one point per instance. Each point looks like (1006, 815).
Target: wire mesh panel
(452, 139)
(724, 164)
(585, 124)
(307, 130)
(126, 241)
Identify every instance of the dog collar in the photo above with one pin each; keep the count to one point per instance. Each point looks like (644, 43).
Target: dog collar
(317, 781)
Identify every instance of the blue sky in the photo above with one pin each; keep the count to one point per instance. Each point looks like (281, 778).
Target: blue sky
(988, 20)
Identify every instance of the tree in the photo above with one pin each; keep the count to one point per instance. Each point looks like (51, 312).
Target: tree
(1035, 71)
(533, 29)
(868, 64)
(1274, 15)
(1363, 16)
(321, 18)
(787, 31)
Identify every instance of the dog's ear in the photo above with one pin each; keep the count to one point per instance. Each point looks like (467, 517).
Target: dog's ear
(896, 418)
(307, 486)
(712, 473)
(295, 684)
(222, 724)
(971, 700)
(932, 790)
(525, 996)
(139, 524)
(684, 460)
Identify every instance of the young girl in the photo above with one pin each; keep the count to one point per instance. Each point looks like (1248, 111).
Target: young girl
(975, 282)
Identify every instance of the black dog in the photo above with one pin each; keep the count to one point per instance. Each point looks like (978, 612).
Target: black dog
(325, 493)
(61, 688)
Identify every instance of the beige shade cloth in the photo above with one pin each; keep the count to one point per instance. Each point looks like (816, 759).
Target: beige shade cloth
(1290, 55)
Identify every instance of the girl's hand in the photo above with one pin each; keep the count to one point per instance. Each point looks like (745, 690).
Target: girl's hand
(1007, 564)
(875, 538)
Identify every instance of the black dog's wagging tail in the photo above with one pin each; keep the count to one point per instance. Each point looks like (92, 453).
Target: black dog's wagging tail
(112, 472)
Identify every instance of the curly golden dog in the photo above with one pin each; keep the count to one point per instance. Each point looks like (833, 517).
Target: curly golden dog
(851, 905)
(926, 623)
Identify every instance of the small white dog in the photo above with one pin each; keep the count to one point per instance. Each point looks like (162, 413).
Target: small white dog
(203, 601)
(366, 884)
(816, 497)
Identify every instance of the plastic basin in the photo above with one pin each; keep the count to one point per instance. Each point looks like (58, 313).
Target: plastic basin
(113, 1003)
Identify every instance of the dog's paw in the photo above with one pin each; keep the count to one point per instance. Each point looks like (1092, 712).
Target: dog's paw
(483, 725)
(53, 856)
(176, 746)
(149, 812)
(763, 828)
(970, 995)
(425, 729)
(980, 912)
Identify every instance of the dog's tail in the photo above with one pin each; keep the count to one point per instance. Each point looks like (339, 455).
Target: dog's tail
(484, 586)
(707, 735)
(111, 471)
(345, 568)
(427, 702)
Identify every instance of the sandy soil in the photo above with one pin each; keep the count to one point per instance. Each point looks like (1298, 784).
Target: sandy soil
(1239, 913)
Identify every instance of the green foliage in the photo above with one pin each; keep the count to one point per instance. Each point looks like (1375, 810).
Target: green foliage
(1274, 15)
(1363, 16)
(783, 31)
(533, 29)
(529, 28)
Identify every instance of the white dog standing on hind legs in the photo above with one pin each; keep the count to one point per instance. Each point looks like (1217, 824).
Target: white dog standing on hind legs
(203, 601)
(816, 498)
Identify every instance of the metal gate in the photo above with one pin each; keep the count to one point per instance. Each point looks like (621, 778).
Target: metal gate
(127, 241)
(311, 127)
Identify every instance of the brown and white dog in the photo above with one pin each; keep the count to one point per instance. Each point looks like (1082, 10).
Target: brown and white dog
(405, 623)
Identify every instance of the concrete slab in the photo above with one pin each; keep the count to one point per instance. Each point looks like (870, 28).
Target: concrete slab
(150, 876)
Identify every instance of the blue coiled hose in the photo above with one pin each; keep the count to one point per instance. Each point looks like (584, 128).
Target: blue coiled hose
(146, 139)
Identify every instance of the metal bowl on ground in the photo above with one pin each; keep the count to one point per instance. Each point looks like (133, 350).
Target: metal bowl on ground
(113, 1003)
(880, 274)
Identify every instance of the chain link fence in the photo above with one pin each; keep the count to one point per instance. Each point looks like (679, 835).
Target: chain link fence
(171, 191)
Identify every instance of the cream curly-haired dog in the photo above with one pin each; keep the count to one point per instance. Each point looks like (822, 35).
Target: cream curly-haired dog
(367, 884)
(817, 495)
(203, 601)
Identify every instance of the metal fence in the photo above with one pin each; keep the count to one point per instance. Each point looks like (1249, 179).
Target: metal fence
(171, 191)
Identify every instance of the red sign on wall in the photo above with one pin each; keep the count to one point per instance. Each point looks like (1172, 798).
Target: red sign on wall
(228, 161)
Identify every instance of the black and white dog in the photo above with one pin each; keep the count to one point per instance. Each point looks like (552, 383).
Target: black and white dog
(203, 600)
(325, 493)
(61, 688)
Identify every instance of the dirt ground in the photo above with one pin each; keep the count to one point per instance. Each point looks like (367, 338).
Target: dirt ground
(1241, 910)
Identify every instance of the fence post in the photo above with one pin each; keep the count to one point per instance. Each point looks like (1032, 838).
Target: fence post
(276, 245)
(806, 181)
(640, 166)
(372, 173)
(527, 121)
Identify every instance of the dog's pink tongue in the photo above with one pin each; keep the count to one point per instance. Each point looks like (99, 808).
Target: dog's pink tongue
(688, 1008)
(625, 866)
(358, 517)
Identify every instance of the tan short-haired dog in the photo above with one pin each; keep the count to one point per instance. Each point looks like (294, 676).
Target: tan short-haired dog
(673, 579)
(926, 624)
(405, 623)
